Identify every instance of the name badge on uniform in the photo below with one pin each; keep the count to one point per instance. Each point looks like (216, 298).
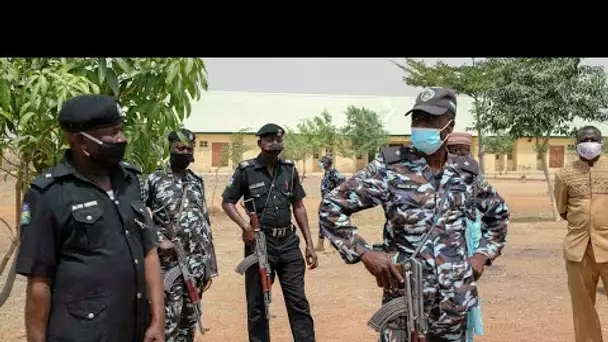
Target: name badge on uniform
(84, 205)
(407, 186)
(256, 185)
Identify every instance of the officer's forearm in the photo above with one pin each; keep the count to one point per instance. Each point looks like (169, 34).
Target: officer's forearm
(232, 212)
(37, 308)
(299, 211)
(154, 280)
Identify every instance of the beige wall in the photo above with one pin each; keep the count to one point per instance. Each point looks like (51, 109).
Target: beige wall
(523, 158)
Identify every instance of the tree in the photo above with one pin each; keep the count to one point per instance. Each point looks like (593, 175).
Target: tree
(363, 133)
(471, 80)
(155, 92)
(232, 152)
(540, 97)
(499, 144)
(296, 148)
(320, 132)
(314, 134)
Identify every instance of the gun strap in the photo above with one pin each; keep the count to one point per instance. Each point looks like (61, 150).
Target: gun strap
(428, 233)
(274, 178)
(172, 233)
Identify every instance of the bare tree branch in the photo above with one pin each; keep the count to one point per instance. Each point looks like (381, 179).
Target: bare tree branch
(8, 172)
(10, 229)
(8, 161)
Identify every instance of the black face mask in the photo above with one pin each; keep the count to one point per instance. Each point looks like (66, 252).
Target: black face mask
(107, 154)
(181, 160)
(272, 147)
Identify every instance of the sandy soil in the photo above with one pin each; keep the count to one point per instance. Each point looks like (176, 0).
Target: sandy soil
(525, 297)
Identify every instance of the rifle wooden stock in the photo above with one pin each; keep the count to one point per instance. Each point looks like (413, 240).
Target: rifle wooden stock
(181, 269)
(259, 256)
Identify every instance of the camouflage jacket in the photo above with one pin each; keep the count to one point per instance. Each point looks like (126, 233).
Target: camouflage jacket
(162, 193)
(415, 200)
(331, 179)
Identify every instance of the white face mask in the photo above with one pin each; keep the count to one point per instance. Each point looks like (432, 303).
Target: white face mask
(589, 150)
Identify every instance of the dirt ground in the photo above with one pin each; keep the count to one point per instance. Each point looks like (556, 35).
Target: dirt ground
(524, 293)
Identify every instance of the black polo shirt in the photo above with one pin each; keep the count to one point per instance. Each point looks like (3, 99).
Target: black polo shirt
(274, 193)
(92, 245)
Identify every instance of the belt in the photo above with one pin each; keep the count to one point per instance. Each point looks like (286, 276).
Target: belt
(279, 232)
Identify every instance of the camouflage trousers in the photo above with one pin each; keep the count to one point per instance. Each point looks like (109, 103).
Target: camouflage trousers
(180, 314)
(396, 329)
(395, 332)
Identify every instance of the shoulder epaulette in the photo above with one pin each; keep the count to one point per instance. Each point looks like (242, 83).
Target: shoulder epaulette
(246, 163)
(130, 167)
(288, 162)
(197, 176)
(468, 164)
(394, 154)
(43, 180)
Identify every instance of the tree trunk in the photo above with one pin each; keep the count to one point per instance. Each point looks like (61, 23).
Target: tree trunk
(303, 176)
(217, 179)
(22, 176)
(480, 151)
(545, 166)
(354, 164)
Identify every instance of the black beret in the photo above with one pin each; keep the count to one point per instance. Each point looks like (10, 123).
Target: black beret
(270, 129)
(173, 136)
(89, 112)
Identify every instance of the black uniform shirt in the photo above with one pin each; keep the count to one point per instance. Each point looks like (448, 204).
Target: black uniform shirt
(252, 179)
(92, 247)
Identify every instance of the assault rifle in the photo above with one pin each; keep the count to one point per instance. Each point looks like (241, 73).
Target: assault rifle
(259, 257)
(182, 267)
(410, 305)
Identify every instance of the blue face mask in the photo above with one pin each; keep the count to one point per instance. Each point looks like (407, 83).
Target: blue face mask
(321, 166)
(428, 140)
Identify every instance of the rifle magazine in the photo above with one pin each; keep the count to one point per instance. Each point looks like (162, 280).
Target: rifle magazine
(249, 261)
(170, 278)
(395, 308)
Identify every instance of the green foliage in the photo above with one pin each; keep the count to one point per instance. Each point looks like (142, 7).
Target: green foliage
(319, 132)
(363, 132)
(540, 97)
(499, 144)
(235, 149)
(155, 92)
(472, 80)
(296, 146)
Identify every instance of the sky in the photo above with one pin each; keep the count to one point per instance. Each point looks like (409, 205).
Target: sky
(340, 76)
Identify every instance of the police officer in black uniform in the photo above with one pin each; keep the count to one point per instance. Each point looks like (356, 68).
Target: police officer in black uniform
(274, 183)
(87, 247)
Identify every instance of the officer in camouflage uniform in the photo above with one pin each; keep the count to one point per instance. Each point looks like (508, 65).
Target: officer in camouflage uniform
(163, 193)
(331, 179)
(422, 188)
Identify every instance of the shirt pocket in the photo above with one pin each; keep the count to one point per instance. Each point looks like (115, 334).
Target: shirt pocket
(89, 227)
(141, 217)
(259, 196)
(85, 319)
